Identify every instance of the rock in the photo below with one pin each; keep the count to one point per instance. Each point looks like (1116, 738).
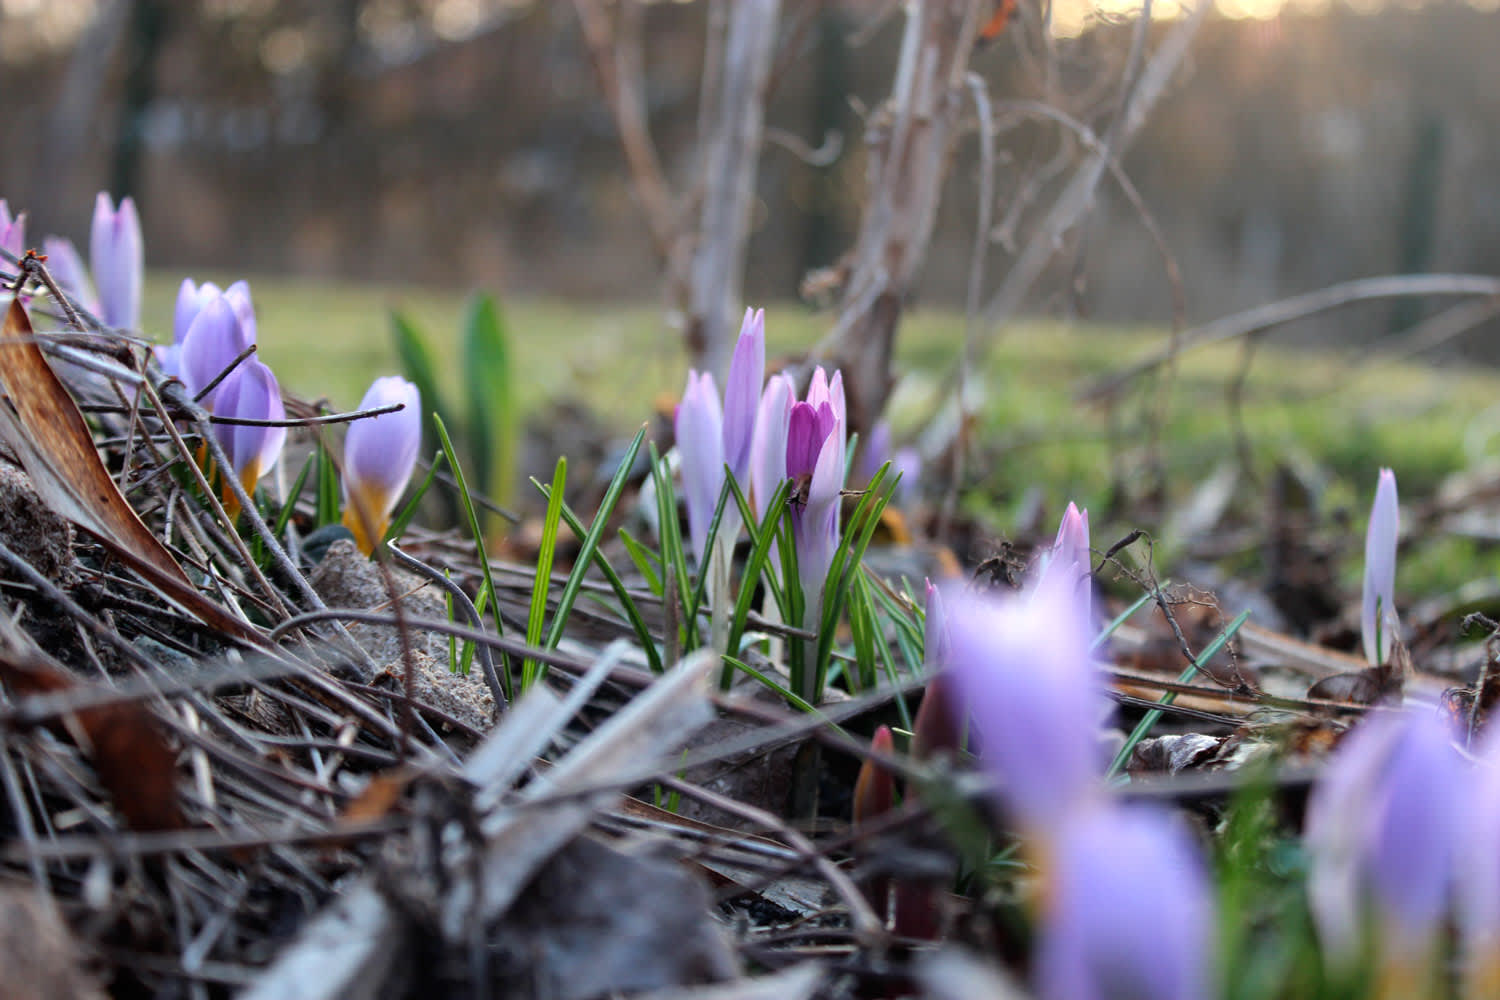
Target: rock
(32, 530)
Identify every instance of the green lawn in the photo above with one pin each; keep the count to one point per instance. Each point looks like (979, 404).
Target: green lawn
(330, 340)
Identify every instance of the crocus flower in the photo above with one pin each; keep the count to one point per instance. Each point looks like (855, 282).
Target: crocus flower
(874, 451)
(1378, 622)
(116, 256)
(12, 231)
(700, 443)
(815, 459)
(1021, 665)
(1068, 564)
(379, 455)
(908, 462)
(747, 368)
(1128, 913)
(1479, 885)
(214, 338)
(935, 728)
(250, 392)
(768, 444)
(66, 266)
(1382, 830)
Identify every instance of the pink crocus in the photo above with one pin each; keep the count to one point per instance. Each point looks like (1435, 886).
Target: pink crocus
(1021, 666)
(1128, 910)
(815, 462)
(116, 256)
(1068, 565)
(250, 392)
(1379, 624)
(379, 455)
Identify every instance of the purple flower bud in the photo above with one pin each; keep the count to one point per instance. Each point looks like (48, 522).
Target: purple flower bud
(768, 446)
(66, 267)
(212, 342)
(12, 231)
(700, 444)
(908, 462)
(379, 456)
(1069, 563)
(742, 395)
(191, 298)
(250, 392)
(874, 451)
(1022, 665)
(1129, 913)
(116, 255)
(1378, 621)
(937, 646)
(815, 456)
(1383, 826)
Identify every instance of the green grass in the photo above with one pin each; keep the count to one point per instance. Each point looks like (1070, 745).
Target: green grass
(330, 340)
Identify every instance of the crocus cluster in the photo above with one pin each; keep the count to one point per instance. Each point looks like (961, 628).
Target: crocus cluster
(1379, 624)
(1125, 908)
(116, 257)
(380, 453)
(1402, 828)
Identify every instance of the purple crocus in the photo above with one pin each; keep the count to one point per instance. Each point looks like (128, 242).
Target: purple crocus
(213, 340)
(747, 368)
(1379, 624)
(1021, 665)
(379, 455)
(768, 444)
(66, 266)
(116, 257)
(815, 462)
(250, 392)
(1068, 563)
(12, 231)
(874, 451)
(1383, 829)
(700, 444)
(1478, 887)
(1128, 912)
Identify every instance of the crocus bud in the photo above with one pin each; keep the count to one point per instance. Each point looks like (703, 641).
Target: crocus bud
(379, 455)
(250, 392)
(212, 342)
(875, 788)
(116, 255)
(1128, 912)
(700, 443)
(1379, 624)
(937, 726)
(1022, 666)
(1069, 564)
(12, 231)
(768, 445)
(66, 267)
(1382, 830)
(742, 395)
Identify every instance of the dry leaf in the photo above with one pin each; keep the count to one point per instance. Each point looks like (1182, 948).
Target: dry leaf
(50, 438)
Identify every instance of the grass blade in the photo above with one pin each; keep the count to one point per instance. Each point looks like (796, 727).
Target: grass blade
(532, 670)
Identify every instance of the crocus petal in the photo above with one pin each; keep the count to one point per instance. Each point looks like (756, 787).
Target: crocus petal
(1129, 911)
(1023, 666)
(213, 340)
(251, 392)
(747, 369)
(117, 258)
(12, 231)
(836, 395)
(191, 299)
(1380, 568)
(1479, 861)
(379, 455)
(804, 439)
(816, 524)
(238, 295)
(1068, 565)
(768, 447)
(700, 443)
(66, 267)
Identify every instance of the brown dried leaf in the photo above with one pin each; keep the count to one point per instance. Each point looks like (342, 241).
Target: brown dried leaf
(135, 764)
(50, 438)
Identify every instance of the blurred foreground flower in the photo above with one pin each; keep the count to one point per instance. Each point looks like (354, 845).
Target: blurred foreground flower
(1379, 624)
(1478, 886)
(1128, 913)
(1383, 829)
(1021, 664)
(116, 255)
(250, 392)
(379, 455)
(12, 233)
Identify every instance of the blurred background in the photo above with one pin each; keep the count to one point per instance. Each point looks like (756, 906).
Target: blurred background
(462, 143)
